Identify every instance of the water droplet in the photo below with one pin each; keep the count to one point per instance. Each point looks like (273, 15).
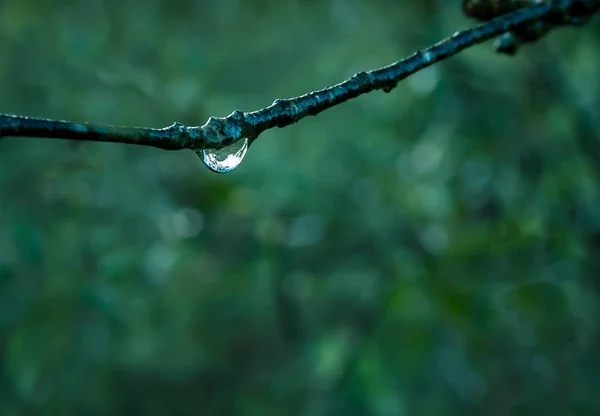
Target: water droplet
(226, 159)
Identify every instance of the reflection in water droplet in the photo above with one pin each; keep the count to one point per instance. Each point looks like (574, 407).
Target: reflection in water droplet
(226, 159)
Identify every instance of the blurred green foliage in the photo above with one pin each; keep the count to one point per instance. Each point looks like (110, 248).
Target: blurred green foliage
(430, 251)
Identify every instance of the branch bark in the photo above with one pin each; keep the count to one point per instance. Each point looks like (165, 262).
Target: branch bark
(220, 132)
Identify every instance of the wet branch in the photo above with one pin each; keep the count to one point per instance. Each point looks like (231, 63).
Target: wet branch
(221, 132)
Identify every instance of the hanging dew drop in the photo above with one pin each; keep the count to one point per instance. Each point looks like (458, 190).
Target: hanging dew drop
(226, 159)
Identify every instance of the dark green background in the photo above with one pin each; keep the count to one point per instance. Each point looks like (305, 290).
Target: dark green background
(432, 251)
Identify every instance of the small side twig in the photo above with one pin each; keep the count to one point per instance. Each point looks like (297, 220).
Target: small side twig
(576, 13)
(221, 132)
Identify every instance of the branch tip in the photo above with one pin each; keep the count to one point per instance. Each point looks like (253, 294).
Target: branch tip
(516, 28)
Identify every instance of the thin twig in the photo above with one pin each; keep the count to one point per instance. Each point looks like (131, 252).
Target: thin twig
(221, 132)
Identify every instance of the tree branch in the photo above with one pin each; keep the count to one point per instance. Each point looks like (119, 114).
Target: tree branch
(218, 133)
